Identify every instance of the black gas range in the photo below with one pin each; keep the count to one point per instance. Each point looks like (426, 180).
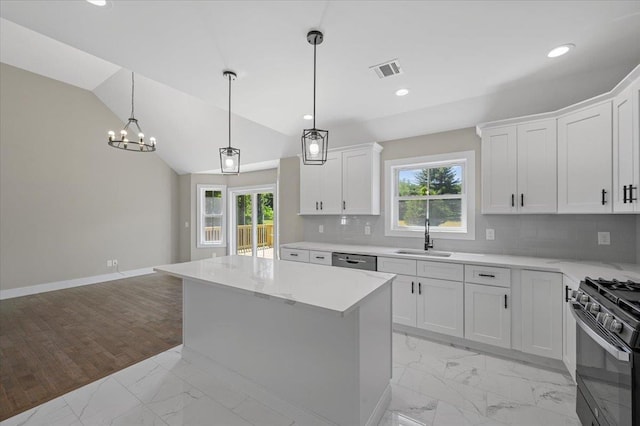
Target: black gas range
(607, 314)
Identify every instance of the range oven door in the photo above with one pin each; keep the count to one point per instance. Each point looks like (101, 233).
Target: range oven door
(604, 372)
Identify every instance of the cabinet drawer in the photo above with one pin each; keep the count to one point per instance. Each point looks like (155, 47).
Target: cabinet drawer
(441, 270)
(397, 266)
(296, 255)
(489, 275)
(320, 257)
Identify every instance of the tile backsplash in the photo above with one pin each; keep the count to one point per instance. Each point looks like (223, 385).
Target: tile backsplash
(557, 236)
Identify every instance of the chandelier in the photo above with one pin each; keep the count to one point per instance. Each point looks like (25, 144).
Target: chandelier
(138, 144)
(314, 141)
(230, 157)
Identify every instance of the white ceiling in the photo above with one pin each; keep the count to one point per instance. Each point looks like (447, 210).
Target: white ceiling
(464, 62)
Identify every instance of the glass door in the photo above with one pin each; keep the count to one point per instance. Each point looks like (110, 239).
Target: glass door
(253, 214)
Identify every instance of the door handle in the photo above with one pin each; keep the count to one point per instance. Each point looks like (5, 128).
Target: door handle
(412, 287)
(631, 199)
(419, 288)
(604, 192)
(344, 205)
(566, 293)
(624, 194)
(513, 200)
(316, 205)
(506, 306)
(320, 205)
(521, 200)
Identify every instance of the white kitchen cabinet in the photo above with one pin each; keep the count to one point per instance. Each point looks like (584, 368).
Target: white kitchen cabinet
(320, 257)
(541, 306)
(626, 150)
(441, 306)
(320, 186)
(499, 175)
(585, 160)
(296, 255)
(487, 314)
(519, 168)
(404, 300)
(348, 183)
(569, 328)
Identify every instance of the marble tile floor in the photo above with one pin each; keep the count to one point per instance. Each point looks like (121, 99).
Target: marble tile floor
(433, 385)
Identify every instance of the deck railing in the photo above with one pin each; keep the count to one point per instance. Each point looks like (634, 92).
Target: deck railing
(243, 235)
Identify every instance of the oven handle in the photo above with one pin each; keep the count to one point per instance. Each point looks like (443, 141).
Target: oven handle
(618, 353)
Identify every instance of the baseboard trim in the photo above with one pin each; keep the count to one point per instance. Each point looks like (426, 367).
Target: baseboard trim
(381, 407)
(77, 282)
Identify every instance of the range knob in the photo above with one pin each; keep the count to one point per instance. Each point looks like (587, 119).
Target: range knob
(594, 308)
(606, 321)
(584, 299)
(615, 326)
(601, 317)
(574, 294)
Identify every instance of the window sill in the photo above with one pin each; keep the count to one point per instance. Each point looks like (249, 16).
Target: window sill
(462, 235)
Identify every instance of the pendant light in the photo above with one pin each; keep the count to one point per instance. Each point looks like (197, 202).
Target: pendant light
(230, 157)
(314, 141)
(137, 145)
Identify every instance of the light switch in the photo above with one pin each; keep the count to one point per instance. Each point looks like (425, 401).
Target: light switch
(491, 234)
(604, 238)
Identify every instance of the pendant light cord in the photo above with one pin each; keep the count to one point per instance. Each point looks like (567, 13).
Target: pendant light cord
(315, 44)
(132, 91)
(229, 110)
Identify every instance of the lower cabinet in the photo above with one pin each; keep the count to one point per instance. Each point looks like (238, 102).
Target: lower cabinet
(441, 306)
(404, 300)
(569, 328)
(487, 314)
(542, 313)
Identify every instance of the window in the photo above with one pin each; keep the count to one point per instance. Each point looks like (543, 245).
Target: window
(438, 187)
(211, 219)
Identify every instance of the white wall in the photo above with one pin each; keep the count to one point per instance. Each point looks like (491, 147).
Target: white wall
(68, 201)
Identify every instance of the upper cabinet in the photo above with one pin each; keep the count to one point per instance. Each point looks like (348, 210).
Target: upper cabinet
(626, 149)
(348, 183)
(584, 158)
(519, 168)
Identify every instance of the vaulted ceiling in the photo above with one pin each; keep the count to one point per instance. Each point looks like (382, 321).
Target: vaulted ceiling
(463, 62)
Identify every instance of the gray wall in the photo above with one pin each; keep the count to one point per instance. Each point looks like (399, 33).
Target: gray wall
(291, 224)
(68, 201)
(562, 236)
(189, 207)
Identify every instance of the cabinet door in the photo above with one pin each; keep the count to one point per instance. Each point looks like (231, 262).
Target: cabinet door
(357, 189)
(625, 154)
(487, 314)
(309, 189)
(569, 327)
(584, 161)
(537, 175)
(441, 306)
(404, 290)
(330, 184)
(499, 159)
(542, 300)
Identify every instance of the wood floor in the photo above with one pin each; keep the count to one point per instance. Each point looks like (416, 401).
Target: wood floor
(52, 343)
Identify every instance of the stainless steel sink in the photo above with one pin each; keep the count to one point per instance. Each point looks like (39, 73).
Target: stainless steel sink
(430, 253)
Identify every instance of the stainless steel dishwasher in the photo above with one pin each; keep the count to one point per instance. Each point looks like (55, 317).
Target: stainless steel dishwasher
(354, 261)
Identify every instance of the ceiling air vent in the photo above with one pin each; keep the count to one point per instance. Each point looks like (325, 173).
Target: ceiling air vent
(387, 69)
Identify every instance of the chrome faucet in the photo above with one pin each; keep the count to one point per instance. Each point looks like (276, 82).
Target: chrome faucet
(427, 241)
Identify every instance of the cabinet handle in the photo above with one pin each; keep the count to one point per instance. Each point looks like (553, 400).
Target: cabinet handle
(505, 302)
(419, 288)
(521, 200)
(412, 287)
(316, 205)
(566, 293)
(487, 275)
(513, 200)
(344, 205)
(293, 254)
(319, 257)
(624, 194)
(320, 205)
(603, 197)
(631, 188)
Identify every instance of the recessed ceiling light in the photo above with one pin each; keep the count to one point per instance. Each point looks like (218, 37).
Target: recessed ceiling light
(560, 50)
(98, 2)
(308, 117)
(402, 92)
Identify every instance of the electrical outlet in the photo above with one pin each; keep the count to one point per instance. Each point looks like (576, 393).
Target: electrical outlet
(321, 228)
(491, 234)
(604, 238)
(115, 262)
(109, 263)
(367, 230)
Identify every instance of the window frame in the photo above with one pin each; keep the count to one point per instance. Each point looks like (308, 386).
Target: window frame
(200, 191)
(466, 159)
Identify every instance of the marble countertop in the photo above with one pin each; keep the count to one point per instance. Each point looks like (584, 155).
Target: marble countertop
(338, 290)
(573, 269)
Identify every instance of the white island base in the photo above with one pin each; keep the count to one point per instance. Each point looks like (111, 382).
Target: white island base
(336, 365)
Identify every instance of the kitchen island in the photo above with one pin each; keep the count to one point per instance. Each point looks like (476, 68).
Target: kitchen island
(317, 337)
